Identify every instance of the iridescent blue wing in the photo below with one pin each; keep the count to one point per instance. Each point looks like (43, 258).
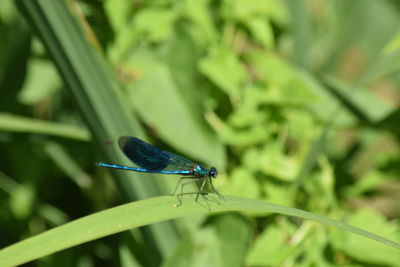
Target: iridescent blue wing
(143, 154)
(150, 157)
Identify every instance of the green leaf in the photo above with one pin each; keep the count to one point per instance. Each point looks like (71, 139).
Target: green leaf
(242, 183)
(262, 31)
(118, 13)
(277, 194)
(14, 123)
(150, 211)
(223, 68)
(274, 162)
(204, 28)
(153, 24)
(156, 23)
(355, 247)
(234, 233)
(271, 248)
(244, 10)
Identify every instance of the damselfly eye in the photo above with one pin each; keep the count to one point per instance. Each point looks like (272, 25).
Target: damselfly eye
(213, 172)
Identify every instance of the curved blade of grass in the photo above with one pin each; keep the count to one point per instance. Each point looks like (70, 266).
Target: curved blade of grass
(14, 123)
(146, 212)
(67, 164)
(302, 31)
(90, 81)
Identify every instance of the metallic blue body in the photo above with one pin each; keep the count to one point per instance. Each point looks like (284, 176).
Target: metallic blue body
(150, 159)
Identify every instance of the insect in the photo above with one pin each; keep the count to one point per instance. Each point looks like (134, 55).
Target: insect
(151, 159)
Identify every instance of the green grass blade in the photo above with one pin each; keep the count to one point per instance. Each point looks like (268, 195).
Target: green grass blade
(146, 212)
(89, 80)
(302, 31)
(14, 123)
(67, 164)
(98, 96)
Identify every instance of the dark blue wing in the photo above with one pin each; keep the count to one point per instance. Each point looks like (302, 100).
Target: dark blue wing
(150, 157)
(143, 154)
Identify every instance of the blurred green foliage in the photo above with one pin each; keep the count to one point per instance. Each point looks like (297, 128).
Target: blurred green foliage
(295, 102)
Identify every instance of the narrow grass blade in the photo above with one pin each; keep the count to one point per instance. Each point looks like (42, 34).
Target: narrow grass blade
(99, 99)
(146, 212)
(15, 123)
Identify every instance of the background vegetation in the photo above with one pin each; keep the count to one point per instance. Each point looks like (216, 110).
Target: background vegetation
(295, 103)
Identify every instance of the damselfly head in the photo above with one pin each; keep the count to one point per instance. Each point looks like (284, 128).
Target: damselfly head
(213, 172)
